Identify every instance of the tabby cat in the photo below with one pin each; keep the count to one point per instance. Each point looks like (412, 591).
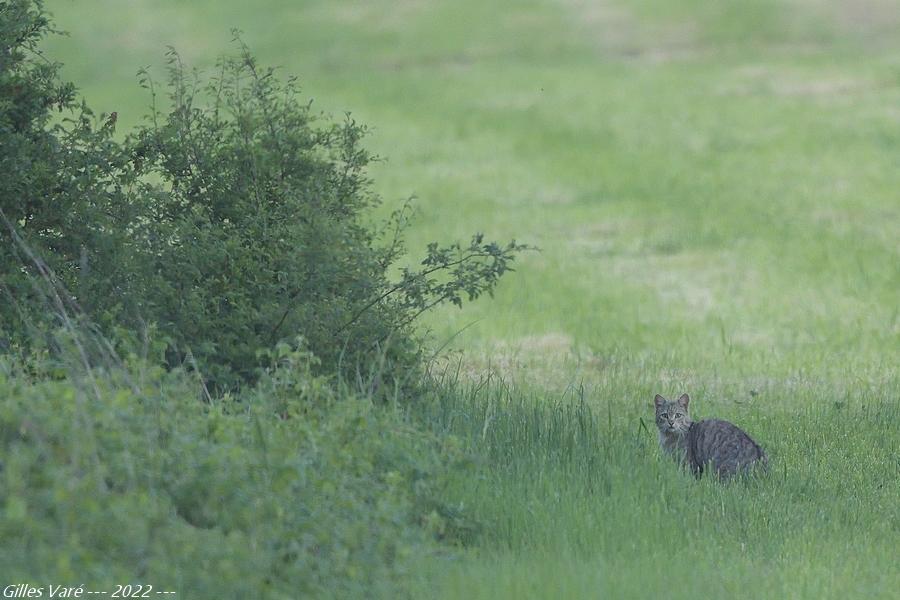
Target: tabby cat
(709, 444)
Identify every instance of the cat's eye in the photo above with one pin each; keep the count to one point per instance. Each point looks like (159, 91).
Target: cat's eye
(664, 415)
(678, 415)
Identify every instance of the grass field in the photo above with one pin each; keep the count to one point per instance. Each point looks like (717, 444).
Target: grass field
(714, 187)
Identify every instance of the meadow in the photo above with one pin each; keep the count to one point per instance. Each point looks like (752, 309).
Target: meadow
(714, 191)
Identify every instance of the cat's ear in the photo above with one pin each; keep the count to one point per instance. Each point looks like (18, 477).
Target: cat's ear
(658, 401)
(684, 400)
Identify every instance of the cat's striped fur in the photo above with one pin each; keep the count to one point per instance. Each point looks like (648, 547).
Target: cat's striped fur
(711, 444)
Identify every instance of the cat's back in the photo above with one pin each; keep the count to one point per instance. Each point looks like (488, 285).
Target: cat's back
(723, 447)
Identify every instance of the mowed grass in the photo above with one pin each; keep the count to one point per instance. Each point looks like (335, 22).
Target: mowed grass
(714, 187)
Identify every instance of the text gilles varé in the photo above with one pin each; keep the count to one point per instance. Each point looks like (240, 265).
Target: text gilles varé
(23, 590)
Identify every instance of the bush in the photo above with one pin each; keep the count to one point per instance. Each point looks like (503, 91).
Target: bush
(299, 491)
(230, 224)
(64, 189)
(232, 221)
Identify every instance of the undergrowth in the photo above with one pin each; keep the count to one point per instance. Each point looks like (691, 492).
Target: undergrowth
(294, 490)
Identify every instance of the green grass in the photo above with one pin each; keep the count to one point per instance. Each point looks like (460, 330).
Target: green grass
(714, 187)
(575, 502)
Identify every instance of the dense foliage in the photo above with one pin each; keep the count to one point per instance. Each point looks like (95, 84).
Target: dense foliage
(224, 250)
(64, 187)
(297, 492)
(234, 219)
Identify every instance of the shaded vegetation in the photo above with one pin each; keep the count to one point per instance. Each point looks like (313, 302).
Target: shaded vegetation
(233, 221)
(204, 361)
(297, 491)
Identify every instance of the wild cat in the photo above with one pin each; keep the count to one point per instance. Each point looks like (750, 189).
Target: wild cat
(719, 446)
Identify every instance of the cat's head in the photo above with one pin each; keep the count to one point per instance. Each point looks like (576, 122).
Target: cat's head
(672, 415)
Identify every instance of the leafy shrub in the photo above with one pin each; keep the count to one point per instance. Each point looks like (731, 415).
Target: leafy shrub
(299, 491)
(64, 186)
(232, 221)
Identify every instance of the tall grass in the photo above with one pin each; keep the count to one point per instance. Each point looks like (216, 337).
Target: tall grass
(574, 500)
